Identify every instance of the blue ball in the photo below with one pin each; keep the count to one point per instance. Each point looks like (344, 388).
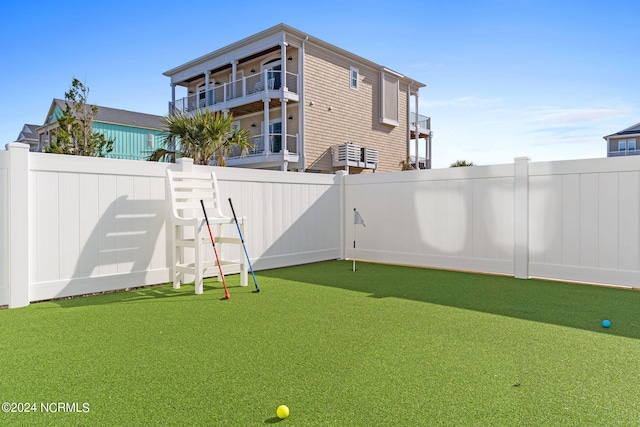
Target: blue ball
(606, 323)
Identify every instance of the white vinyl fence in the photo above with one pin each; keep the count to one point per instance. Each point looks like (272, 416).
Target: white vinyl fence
(73, 225)
(573, 220)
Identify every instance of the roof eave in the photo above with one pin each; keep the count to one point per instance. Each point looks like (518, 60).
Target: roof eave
(287, 30)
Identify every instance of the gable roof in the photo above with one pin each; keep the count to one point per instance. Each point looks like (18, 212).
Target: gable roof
(284, 30)
(117, 116)
(631, 130)
(28, 133)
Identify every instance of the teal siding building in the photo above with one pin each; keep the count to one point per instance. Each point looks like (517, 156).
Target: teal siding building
(135, 135)
(129, 142)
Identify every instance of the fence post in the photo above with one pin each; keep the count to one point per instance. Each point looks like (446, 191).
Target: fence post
(185, 163)
(18, 224)
(341, 177)
(521, 218)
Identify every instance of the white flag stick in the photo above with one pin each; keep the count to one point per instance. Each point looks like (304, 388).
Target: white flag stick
(357, 219)
(354, 247)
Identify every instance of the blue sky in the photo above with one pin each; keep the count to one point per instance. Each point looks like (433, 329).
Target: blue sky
(505, 78)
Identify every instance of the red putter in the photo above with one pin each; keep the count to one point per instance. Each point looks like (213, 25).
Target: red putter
(215, 251)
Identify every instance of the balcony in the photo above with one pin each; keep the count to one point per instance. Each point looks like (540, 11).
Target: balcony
(270, 154)
(352, 155)
(623, 152)
(251, 89)
(424, 125)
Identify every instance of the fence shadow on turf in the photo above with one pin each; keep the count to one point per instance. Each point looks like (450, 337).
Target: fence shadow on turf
(564, 304)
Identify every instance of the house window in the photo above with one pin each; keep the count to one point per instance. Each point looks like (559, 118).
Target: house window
(390, 94)
(150, 139)
(354, 73)
(622, 144)
(631, 144)
(274, 73)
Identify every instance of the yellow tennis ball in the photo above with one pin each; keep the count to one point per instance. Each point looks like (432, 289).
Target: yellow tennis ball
(282, 412)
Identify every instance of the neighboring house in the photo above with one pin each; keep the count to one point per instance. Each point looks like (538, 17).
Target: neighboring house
(29, 135)
(309, 106)
(135, 135)
(624, 143)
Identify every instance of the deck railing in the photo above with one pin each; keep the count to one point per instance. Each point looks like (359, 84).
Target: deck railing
(424, 122)
(246, 87)
(623, 152)
(274, 146)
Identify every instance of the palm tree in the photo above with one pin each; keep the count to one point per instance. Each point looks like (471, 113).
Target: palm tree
(461, 163)
(203, 136)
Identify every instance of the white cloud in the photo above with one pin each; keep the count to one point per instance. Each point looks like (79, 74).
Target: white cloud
(564, 116)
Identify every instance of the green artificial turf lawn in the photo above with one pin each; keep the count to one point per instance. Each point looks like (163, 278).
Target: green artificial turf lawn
(385, 345)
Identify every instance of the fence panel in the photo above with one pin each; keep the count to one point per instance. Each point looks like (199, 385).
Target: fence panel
(4, 227)
(585, 220)
(96, 225)
(292, 218)
(458, 218)
(582, 222)
(100, 224)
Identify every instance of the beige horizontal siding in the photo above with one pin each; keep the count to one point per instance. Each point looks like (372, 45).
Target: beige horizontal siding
(340, 114)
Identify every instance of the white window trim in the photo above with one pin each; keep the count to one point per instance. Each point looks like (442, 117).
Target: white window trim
(351, 71)
(151, 140)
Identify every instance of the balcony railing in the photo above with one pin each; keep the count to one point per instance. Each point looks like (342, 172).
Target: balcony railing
(249, 88)
(424, 122)
(624, 152)
(274, 145)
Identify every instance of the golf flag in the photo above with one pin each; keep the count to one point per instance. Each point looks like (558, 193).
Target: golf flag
(357, 219)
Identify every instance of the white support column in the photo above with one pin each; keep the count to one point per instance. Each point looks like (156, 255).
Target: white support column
(428, 142)
(285, 119)
(283, 60)
(265, 130)
(234, 70)
(302, 106)
(521, 218)
(408, 142)
(18, 232)
(173, 98)
(206, 88)
(417, 132)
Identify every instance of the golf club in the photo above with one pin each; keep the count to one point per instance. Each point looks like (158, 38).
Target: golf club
(215, 251)
(255, 282)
